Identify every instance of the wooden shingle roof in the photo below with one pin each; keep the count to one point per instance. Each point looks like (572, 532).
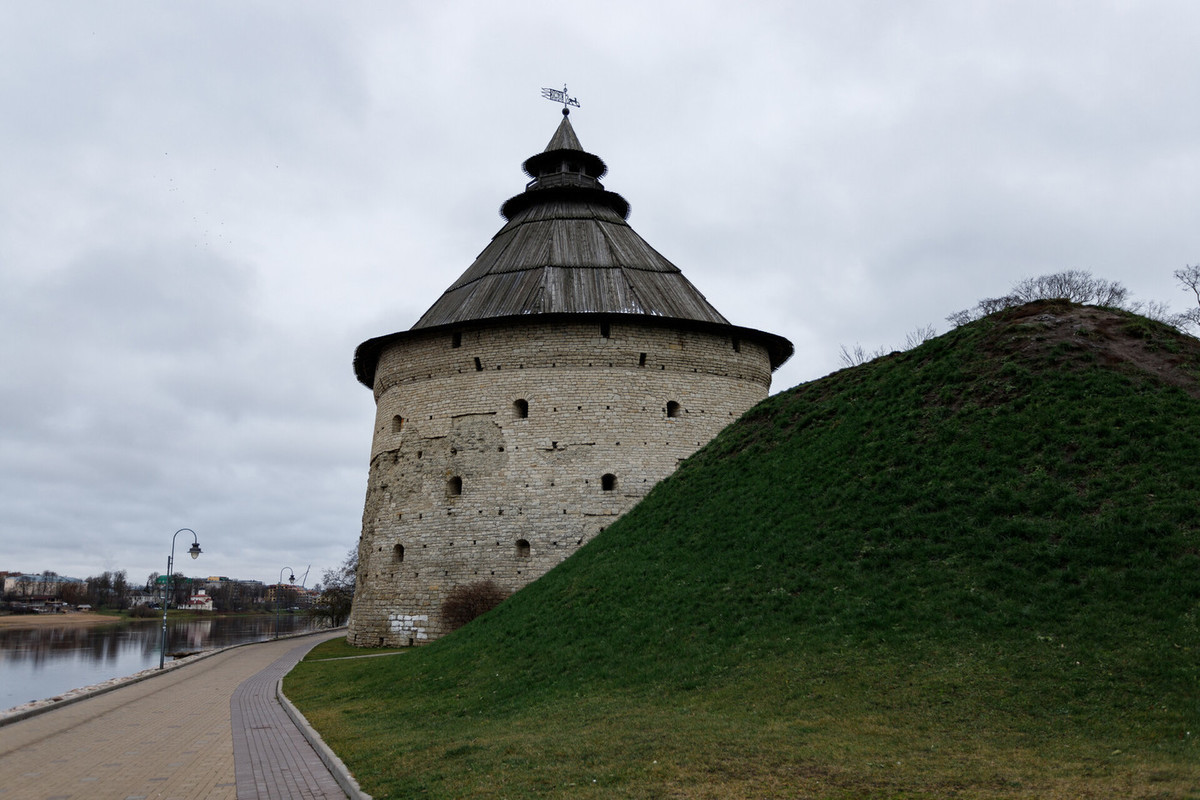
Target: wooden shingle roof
(567, 249)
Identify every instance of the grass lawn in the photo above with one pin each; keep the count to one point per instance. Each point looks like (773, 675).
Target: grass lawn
(884, 722)
(967, 570)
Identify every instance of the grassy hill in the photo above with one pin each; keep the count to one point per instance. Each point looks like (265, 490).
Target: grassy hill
(971, 569)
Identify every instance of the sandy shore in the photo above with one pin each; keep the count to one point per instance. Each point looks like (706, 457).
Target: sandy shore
(76, 619)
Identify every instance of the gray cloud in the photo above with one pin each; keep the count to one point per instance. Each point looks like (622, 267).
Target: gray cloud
(208, 205)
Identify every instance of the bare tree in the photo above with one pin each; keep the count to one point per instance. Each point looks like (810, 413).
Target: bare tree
(1073, 285)
(120, 590)
(337, 591)
(100, 589)
(1190, 278)
(857, 355)
(224, 595)
(1161, 312)
(919, 336)
(74, 593)
(181, 589)
(852, 357)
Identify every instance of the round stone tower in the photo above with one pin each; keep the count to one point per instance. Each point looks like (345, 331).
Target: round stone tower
(566, 372)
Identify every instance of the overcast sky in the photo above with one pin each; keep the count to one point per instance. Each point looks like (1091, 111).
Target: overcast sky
(205, 207)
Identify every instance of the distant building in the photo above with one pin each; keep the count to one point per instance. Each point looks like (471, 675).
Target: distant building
(200, 601)
(306, 598)
(284, 594)
(140, 597)
(228, 594)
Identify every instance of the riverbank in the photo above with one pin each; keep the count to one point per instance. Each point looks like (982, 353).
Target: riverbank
(73, 619)
(88, 619)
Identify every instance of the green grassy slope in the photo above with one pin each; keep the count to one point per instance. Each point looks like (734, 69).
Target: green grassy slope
(971, 569)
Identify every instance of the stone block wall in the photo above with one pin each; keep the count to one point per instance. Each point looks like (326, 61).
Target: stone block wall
(499, 451)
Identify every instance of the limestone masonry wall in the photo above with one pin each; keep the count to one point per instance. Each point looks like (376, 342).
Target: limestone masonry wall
(499, 451)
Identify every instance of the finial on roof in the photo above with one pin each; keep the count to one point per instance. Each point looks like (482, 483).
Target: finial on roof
(561, 97)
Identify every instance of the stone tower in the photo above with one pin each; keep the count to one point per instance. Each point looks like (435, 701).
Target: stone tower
(567, 371)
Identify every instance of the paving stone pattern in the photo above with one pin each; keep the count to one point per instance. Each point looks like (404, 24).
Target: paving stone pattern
(272, 759)
(170, 737)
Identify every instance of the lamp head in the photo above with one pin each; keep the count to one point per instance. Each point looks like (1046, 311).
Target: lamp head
(194, 551)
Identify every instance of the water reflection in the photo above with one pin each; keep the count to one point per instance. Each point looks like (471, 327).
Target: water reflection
(42, 662)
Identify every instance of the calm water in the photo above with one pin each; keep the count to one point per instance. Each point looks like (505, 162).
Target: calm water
(43, 662)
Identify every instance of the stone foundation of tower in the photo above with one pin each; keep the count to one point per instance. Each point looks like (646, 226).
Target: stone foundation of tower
(499, 450)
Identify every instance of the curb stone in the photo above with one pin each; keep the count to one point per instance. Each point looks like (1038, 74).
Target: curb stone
(334, 764)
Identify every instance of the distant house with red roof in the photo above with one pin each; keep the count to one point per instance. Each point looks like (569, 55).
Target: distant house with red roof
(201, 601)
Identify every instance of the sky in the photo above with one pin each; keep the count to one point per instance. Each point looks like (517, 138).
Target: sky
(205, 207)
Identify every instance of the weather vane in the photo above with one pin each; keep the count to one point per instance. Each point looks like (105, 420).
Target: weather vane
(560, 97)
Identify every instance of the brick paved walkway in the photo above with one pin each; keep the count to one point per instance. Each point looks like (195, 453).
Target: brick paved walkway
(272, 759)
(173, 736)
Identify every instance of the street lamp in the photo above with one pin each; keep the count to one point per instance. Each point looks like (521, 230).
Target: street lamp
(292, 578)
(194, 552)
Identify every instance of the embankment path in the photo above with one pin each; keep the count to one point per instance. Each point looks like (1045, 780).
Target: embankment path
(212, 729)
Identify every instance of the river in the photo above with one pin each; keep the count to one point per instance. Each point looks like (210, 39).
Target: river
(39, 663)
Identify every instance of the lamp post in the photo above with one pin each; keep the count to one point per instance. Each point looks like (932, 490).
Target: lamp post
(194, 552)
(292, 578)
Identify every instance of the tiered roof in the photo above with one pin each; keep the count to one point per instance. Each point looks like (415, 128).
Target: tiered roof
(566, 249)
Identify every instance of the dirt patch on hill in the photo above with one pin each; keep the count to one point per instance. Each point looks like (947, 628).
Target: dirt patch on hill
(1116, 338)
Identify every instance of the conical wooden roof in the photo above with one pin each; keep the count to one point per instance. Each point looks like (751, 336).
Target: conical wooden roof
(567, 249)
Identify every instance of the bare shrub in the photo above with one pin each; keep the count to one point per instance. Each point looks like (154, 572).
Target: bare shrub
(1161, 312)
(960, 318)
(465, 603)
(919, 336)
(1074, 285)
(990, 305)
(852, 357)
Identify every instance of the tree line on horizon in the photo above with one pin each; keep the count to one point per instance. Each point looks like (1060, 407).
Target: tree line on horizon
(111, 590)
